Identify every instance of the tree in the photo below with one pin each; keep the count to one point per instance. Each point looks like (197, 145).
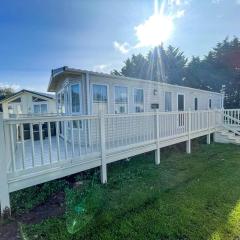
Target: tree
(159, 65)
(6, 92)
(133, 67)
(221, 66)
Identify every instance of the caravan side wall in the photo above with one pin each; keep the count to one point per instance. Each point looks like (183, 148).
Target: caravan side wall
(154, 93)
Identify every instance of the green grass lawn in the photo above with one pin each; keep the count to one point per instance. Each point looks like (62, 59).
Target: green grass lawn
(193, 196)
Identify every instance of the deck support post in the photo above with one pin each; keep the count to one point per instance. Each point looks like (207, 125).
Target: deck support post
(209, 138)
(103, 149)
(188, 143)
(157, 151)
(188, 146)
(209, 122)
(4, 191)
(157, 156)
(104, 173)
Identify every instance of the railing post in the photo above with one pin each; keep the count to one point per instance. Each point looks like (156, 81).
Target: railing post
(4, 158)
(188, 143)
(157, 151)
(103, 149)
(208, 122)
(223, 117)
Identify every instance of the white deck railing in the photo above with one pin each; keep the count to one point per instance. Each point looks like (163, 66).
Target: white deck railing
(232, 117)
(42, 141)
(38, 149)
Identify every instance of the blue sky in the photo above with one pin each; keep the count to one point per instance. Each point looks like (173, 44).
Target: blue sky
(39, 35)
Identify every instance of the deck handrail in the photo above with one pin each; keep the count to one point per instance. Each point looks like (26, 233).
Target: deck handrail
(63, 145)
(84, 117)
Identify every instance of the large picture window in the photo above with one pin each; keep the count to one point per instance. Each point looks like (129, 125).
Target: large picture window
(138, 100)
(168, 101)
(121, 99)
(75, 98)
(100, 99)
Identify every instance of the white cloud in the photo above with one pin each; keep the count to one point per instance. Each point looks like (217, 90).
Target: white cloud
(15, 87)
(122, 47)
(101, 68)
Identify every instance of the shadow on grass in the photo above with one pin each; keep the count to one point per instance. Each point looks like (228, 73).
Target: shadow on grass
(187, 197)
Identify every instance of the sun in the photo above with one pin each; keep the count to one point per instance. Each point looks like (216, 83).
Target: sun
(156, 29)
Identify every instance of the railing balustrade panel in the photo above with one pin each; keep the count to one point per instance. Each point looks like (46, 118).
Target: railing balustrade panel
(37, 142)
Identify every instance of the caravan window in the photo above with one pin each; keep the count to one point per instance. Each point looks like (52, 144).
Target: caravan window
(121, 99)
(37, 99)
(181, 102)
(75, 98)
(62, 102)
(40, 108)
(168, 101)
(196, 104)
(100, 99)
(138, 100)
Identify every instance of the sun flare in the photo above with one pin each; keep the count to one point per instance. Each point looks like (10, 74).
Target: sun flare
(157, 28)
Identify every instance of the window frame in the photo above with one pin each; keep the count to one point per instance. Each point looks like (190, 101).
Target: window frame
(91, 95)
(184, 102)
(80, 98)
(39, 104)
(61, 105)
(14, 106)
(195, 104)
(136, 104)
(114, 97)
(165, 101)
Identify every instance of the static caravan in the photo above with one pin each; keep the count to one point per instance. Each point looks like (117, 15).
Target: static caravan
(80, 92)
(78, 139)
(28, 103)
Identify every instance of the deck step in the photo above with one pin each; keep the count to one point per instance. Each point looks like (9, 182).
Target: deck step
(226, 136)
